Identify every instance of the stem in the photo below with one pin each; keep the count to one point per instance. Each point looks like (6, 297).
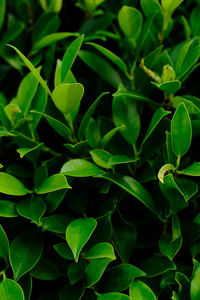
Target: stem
(178, 162)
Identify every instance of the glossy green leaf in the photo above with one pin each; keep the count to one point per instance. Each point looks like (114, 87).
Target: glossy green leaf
(4, 244)
(11, 290)
(11, 186)
(113, 296)
(32, 208)
(195, 27)
(157, 117)
(51, 38)
(111, 56)
(195, 282)
(132, 187)
(171, 5)
(168, 247)
(24, 151)
(25, 251)
(92, 134)
(76, 271)
(69, 57)
(2, 12)
(157, 265)
(169, 87)
(187, 188)
(109, 135)
(32, 69)
(95, 270)
(100, 250)
(121, 159)
(181, 131)
(53, 183)
(80, 168)
(8, 209)
(64, 251)
(101, 158)
(56, 223)
(137, 97)
(74, 292)
(125, 113)
(101, 67)
(85, 120)
(45, 269)
(120, 277)
(78, 233)
(130, 21)
(193, 170)
(140, 291)
(67, 96)
(60, 127)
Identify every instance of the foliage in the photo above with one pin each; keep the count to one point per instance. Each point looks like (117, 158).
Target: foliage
(99, 159)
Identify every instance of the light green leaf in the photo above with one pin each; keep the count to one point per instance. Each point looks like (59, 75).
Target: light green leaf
(69, 57)
(53, 183)
(195, 282)
(80, 168)
(113, 296)
(111, 56)
(32, 69)
(193, 170)
(11, 186)
(140, 291)
(2, 12)
(101, 158)
(8, 209)
(181, 130)
(11, 290)
(32, 209)
(78, 233)
(169, 87)
(100, 250)
(67, 96)
(121, 159)
(4, 244)
(130, 21)
(133, 187)
(170, 5)
(50, 39)
(25, 251)
(24, 151)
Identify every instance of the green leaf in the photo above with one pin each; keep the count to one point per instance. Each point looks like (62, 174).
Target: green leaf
(2, 12)
(157, 265)
(32, 69)
(157, 117)
(169, 247)
(140, 291)
(80, 168)
(100, 250)
(101, 158)
(67, 96)
(53, 183)
(120, 277)
(64, 251)
(74, 292)
(78, 233)
(4, 244)
(50, 39)
(76, 271)
(130, 21)
(169, 87)
(56, 223)
(85, 120)
(171, 5)
(61, 128)
(101, 67)
(11, 290)
(92, 134)
(132, 187)
(121, 159)
(11, 186)
(8, 209)
(113, 296)
(111, 56)
(95, 270)
(69, 57)
(45, 269)
(32, 209)
(25, 251)
(187, 188)
(137, 97)
(181, 130)
(193, 170)
(195, 282)
(24, 151)
(109, 135)
(193, 21)
(125, 113)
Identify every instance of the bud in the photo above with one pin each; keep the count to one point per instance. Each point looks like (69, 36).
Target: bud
(168, 74)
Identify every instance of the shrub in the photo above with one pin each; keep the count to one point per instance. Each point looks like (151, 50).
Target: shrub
(99, 133)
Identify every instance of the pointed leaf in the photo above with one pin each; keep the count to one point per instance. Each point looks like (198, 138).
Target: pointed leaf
(4, 244)
(53, 183)
(193, 170)
(80, 168)
(78, 233)
(11, 186)
(11, 290)
(140, 291)
(113, 296)
(100, 250)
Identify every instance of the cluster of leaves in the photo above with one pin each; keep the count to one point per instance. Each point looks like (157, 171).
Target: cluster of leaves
(99, 159)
